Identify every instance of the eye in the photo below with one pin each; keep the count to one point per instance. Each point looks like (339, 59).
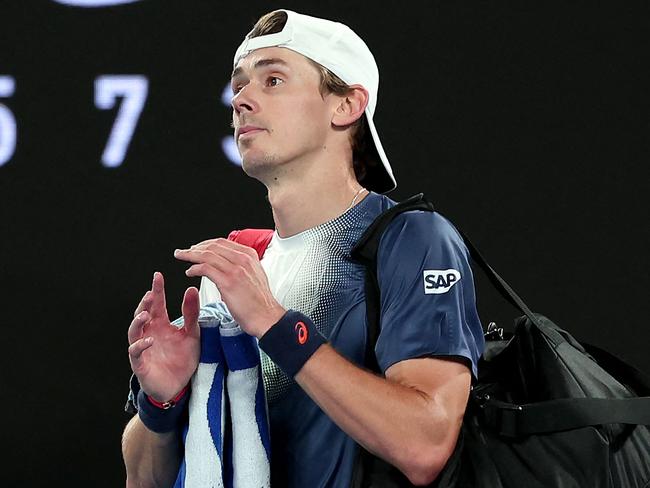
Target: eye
(274, 81)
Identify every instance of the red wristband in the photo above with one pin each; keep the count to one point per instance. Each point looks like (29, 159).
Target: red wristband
(169, 403)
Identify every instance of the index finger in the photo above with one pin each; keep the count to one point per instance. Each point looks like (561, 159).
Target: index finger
(207, 242)
(223, 243)
(158, 302)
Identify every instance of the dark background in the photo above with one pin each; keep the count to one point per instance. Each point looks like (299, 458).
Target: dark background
(528, 126)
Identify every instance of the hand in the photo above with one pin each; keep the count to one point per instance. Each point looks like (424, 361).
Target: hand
(163, 356)
(237, 272)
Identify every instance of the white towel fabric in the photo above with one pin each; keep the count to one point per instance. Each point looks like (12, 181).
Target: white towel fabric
(227, 442)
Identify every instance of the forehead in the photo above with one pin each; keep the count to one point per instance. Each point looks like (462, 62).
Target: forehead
(287, 58)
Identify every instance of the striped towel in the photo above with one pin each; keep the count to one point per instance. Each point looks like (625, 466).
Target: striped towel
(226, 439)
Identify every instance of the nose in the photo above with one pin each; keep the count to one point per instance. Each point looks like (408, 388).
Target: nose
(244, 100)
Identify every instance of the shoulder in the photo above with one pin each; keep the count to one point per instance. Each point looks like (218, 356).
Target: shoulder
(420, 230)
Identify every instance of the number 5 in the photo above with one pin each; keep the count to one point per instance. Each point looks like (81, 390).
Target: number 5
(133, 89)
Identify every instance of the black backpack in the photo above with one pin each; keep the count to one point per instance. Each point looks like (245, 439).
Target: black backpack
(546, 410)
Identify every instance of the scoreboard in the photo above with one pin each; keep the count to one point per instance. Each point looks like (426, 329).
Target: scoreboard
(527, 125)
(125, 93)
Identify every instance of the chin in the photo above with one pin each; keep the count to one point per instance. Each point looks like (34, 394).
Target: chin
(259, 165)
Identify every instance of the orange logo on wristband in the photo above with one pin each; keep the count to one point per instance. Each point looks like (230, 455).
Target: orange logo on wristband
(303, 332)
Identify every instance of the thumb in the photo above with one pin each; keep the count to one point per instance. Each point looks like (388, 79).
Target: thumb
(190, 309)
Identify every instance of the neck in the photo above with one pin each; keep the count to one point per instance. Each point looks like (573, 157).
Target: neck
(302, 203)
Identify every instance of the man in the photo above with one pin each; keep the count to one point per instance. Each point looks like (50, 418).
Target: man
(305, 90)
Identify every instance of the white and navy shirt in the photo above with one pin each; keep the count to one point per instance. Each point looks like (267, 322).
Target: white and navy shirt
(428, 309)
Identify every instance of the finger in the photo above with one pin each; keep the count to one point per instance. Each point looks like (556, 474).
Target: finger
(206, 258)
(228, 244)
(237, 253)
(158, 304)
(144, 304)
(190, 309)
(207, 242)
(194, 255)
(226, 282)
(136, 329)
(233, 245)
(217, 276)
(243, 257)
(137, 348)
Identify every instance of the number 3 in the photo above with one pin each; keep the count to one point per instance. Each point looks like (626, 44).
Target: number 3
(7, 121)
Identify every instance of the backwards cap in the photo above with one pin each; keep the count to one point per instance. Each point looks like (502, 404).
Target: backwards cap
(336, 47)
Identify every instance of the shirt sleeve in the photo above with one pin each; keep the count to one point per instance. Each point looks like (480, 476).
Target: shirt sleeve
(428, 302)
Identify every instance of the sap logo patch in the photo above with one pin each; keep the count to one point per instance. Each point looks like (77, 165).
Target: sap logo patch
(437, 281)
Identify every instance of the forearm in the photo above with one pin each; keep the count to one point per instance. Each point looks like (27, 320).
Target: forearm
(152, 460)
(404, 426)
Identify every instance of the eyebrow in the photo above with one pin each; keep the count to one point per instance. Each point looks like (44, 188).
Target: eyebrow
(259, 64)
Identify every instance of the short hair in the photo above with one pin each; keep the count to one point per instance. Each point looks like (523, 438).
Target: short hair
(274, 22)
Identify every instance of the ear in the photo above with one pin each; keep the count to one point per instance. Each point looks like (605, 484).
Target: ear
(350, 107)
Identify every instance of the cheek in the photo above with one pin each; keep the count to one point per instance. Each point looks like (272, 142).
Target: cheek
(310, 117)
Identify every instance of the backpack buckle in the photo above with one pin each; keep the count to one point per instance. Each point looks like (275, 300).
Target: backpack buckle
(502, 417)
(493, 332)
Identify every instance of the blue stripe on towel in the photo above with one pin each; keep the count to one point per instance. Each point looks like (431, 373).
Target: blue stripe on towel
(214, 408)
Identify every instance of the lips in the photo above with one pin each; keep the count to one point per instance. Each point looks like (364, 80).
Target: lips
(247, 129)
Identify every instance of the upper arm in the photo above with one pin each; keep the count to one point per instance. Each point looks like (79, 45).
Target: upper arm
(445, 386)
(446, 382)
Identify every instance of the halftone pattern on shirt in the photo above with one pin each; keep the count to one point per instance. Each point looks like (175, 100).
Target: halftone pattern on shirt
(316, 288)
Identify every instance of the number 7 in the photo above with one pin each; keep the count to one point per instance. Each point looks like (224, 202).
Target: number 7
(133, 89)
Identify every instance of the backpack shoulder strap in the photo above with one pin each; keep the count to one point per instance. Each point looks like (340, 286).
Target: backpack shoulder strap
(365, 252)
(258, 239)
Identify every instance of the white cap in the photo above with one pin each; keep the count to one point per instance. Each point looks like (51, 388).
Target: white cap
(336, 47)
